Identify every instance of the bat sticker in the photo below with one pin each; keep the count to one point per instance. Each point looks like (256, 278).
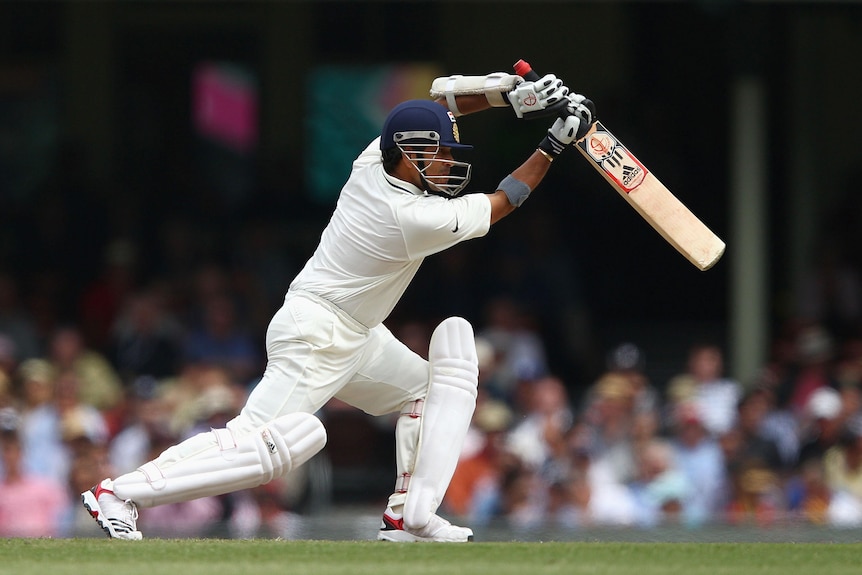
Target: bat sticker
(613, 158)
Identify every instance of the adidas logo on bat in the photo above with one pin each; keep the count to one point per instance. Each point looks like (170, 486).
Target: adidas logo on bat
(630, 174)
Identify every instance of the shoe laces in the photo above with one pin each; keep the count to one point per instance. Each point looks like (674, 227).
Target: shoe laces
(131, 509)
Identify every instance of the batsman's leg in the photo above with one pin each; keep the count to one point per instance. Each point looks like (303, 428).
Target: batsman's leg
(429, 437)
(212, 463)
(221, 461)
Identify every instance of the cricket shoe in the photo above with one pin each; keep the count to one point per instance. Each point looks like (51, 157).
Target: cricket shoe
(116, 517)
(437, 530)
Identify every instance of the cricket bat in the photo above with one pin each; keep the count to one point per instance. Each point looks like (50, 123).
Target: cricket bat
(645, 193)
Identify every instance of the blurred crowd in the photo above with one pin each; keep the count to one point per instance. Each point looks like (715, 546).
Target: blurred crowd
(81, 403)
(696, 450)
(100, 375)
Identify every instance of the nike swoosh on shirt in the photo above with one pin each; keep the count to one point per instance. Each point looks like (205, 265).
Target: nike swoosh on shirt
(455, 229)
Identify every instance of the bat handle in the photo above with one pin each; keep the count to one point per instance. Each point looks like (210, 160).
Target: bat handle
(525, 71)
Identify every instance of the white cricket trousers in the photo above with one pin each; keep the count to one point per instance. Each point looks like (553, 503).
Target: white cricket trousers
(315, 351)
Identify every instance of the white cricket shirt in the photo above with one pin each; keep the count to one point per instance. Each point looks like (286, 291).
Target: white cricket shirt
(379, 234)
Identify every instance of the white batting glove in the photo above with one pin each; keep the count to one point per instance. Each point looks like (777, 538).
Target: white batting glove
(560, 135)
(531, 97)
(583, 108)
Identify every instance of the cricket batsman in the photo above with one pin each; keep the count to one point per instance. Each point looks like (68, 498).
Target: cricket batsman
(400, 204)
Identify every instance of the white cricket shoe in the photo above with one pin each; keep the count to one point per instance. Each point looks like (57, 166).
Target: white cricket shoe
(437, 530)
(116, 517)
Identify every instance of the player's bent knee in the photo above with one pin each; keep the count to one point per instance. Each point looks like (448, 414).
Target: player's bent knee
(452, 355)
(453, 339)
(301, 435)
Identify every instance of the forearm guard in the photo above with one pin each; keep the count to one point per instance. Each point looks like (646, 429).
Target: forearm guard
(494, 86)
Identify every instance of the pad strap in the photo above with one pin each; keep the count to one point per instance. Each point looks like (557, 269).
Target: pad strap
(413, 409)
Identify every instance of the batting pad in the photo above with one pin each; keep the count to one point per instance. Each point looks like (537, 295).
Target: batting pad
(218, 462)
(446, 415)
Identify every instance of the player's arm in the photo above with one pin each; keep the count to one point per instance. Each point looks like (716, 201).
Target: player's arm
(464, 95)
(515, 188)
(466, 104)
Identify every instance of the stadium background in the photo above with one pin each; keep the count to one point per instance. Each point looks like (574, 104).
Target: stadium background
(106, 156)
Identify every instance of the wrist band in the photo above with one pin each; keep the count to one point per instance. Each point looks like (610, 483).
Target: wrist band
(516, 190)
(548, 156)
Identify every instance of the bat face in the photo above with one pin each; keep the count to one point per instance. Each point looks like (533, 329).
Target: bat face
(656, 204)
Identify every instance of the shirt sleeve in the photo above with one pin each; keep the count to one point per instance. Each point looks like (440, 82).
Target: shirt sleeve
(431, 224)
(370, 155)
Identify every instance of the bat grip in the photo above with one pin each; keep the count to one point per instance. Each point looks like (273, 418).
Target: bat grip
(525, 71)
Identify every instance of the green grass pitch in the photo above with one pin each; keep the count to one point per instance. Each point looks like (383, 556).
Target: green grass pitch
(218, 557)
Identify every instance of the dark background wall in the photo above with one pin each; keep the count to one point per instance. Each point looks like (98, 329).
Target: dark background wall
(97, 143)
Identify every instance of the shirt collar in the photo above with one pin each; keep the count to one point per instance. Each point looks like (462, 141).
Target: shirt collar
(402, 185)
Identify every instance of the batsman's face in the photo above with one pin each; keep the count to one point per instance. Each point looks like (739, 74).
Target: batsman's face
(443, 164)
(437, 168)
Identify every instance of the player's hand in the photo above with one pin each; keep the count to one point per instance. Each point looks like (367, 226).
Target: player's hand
(584, 109)
(561, 134)
(532, 98)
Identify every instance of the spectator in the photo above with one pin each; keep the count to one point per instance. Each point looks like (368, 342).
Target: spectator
(54, 420)
(848, 370)
(755, 494)
(815, 352)
(590, 495)
(43, 499)
(475, 491)
(525, 498)
(831, 291)
(822, 424)
(628, 360)
(538, 438)
(105, 295)
(202, 395)
(753, 465)
(8, 356)
(699, 457)
(266, 515)
(779, 425)
(41, 438)
(659, 489)
(16, 324)
(609, 416)
(145, 340)
(753, 444)
(842, 469)
(146, 424)
(809, 498)
(842, 463)
(88, 462)
(7, 399)
(715, 395)
(537, 442)
(220, 340)
(99, 385)
(489, 366)
(521, 352)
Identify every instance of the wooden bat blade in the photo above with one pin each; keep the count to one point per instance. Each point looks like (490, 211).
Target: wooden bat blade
(653, 201)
